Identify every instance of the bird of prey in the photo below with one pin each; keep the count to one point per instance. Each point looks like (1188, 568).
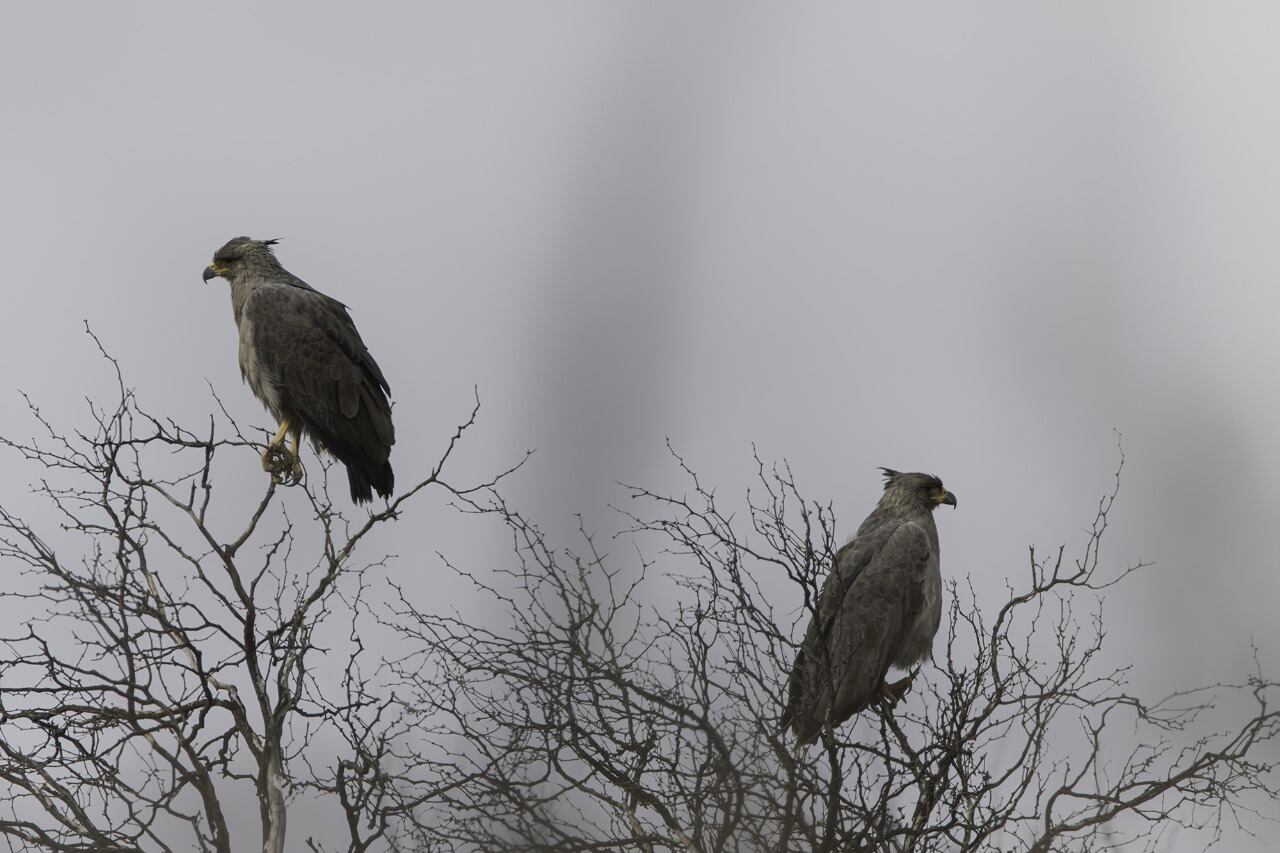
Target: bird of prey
(879, 607)
(304, 359)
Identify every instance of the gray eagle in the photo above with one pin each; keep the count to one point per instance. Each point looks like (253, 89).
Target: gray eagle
(304, 359)
(879, 607)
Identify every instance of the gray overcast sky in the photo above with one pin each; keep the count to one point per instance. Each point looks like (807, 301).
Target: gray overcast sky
(972, 239)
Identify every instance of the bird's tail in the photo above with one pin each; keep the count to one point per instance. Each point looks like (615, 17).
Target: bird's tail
(366, 478)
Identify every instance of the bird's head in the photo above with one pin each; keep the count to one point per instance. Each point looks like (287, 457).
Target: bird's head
(238, 255)
(921, 491)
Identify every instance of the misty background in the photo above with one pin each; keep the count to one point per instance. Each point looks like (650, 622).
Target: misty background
(975, 240)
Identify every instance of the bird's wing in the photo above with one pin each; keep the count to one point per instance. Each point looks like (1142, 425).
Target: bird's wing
(863, 606)
(864, 634)
(309, 346)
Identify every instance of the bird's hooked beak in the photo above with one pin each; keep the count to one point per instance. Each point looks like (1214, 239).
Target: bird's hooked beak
(213, 271)
(949, 499)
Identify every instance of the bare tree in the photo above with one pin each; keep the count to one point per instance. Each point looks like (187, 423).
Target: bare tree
(167, 673)
(178, 658)
(597, 720)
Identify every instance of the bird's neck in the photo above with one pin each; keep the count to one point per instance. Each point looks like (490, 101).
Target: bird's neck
(240, 291)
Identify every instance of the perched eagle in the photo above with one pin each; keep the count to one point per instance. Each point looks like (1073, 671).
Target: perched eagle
(303, 358)
(879, 607)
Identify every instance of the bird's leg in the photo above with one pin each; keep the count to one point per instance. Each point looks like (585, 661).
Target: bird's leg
(295, 437)
(278, 438)
(891, 694)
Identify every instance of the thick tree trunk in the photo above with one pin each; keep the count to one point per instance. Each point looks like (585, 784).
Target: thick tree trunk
(271, 793)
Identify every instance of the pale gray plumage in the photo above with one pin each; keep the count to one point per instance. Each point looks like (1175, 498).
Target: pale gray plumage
(304, 359)
(880, 606)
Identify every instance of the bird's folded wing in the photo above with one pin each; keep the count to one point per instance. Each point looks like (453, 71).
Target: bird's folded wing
(865, 629)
